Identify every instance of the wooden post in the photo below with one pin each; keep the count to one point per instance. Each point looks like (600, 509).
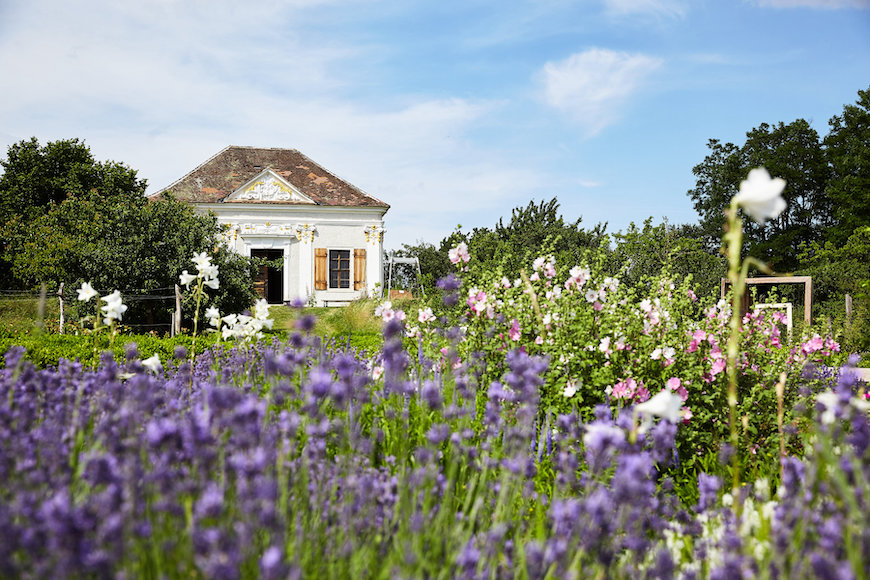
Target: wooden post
(808, 299)
(176, 323)
(849, 307)
(60, 304)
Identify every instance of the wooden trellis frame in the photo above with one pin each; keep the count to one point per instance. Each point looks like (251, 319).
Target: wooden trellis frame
(807, 281)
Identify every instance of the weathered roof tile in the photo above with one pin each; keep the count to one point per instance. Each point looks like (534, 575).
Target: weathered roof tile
(217, 178)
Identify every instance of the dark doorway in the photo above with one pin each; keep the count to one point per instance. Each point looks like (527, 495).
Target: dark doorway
(269, 282)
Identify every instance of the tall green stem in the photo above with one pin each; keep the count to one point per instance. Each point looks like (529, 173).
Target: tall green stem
(737, 277)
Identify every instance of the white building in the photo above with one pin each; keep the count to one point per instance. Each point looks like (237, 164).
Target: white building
(279, 204)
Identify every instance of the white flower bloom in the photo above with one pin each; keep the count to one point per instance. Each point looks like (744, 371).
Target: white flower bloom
(86, 292)
(261, 309)
(861, 404)
(212, 283)
(664, 404)
(186, 278)
(425, 315)
(114, 308)
(760, 196)
(591, 296)
(202, 260)
(213, 315)
(153, 364)
(829, 400)
(570, 389)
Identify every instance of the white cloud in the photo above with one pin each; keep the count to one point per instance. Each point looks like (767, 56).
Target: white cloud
(825, 4)
(163, 85)
(668, 8)
(594, 86)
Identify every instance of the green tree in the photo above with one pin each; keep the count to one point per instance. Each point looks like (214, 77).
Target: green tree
(793, 152)
(848, 150)
(640, 254)
(838, 270)
(35, 177)
(103, 230)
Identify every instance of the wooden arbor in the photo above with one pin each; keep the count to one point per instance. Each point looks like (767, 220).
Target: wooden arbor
(807, 281)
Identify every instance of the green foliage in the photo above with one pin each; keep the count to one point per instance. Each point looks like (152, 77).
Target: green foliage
(46, 350)
(827, 184)
(848, 150)
(838, 270)
(69, 219)
(640, 253)
(793, 152)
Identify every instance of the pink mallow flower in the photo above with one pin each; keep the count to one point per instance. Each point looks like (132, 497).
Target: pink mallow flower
(459, 254)
(687, 414)
(514, 332)
(676, 385)
(624, 389)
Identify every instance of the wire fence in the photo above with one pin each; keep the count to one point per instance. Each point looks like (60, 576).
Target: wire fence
(153, 309)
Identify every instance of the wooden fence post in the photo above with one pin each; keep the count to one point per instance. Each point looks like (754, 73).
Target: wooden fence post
(176, 323)
(849, 307)
(60, 304)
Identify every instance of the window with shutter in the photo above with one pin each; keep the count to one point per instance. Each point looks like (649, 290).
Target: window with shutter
(339, 268)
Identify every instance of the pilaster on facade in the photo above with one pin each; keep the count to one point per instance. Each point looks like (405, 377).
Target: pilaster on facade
(375, 261)
(305, 235)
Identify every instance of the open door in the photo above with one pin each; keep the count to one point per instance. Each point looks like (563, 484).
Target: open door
(269, 283)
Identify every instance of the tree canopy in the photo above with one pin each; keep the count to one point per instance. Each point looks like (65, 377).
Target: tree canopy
(68, 218)
(827, 183)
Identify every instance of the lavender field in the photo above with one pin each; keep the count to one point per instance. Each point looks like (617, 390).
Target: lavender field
(560, 425)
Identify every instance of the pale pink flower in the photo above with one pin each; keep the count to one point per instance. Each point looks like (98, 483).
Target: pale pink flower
(459, 254)
(514, 332)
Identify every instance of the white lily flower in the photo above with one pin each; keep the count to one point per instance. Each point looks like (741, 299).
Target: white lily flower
(153, 364)
(86, 292)
(202, 260)
(760, 196)
(186, 278)
(114, 308)
(212, 283)
(261, 309)
(664, 404)
(213, 315)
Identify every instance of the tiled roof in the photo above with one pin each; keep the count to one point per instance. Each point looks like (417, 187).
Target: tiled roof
(217, 178)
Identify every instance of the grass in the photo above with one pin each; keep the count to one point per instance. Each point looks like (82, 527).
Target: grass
(355, 323)
(21, 314)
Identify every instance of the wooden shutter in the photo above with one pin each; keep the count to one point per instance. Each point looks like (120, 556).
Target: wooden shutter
(359, 268)
(320, 268)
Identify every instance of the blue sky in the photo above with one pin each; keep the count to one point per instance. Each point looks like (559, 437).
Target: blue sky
(453, 112)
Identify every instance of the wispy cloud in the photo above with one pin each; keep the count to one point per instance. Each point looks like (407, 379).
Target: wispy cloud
(594, 86)
(824, 4)
(665, 8)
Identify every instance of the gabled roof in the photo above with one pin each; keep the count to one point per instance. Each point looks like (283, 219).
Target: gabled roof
(219, 177)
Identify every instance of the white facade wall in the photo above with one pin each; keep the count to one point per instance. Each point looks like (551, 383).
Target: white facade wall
(296, 231)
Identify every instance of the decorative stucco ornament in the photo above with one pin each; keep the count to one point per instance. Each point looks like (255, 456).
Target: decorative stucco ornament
(267, 190)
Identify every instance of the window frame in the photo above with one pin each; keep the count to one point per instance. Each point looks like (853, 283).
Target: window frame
(343, 283)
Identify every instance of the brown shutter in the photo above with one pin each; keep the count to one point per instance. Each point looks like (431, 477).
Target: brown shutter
(359, 268)
(320, 268)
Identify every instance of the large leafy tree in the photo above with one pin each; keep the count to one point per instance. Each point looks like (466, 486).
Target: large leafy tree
(68, 218)
(35, 178)
(793, 152)
(848, 149)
